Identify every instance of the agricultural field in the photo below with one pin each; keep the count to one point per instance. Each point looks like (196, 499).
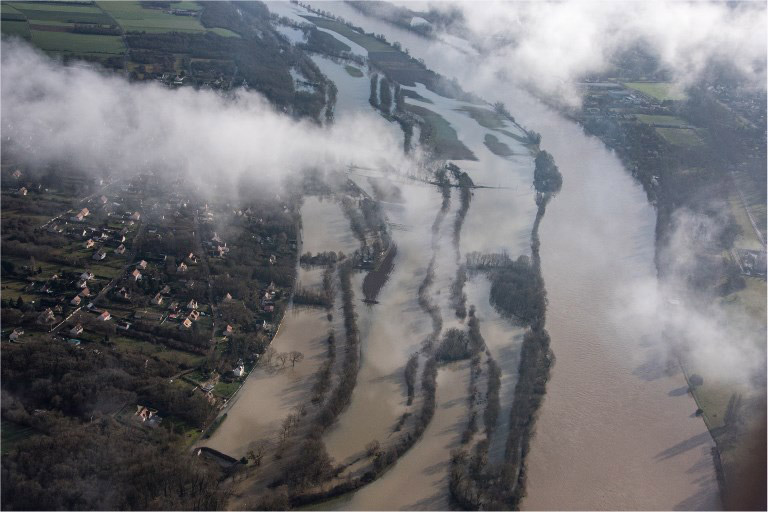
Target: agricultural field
(67, 42)
(658, 90)
(680, 136)
(368, 42)
(665, 120)
(353, 71)
(131, 16)
(440, 135)
(16, 28)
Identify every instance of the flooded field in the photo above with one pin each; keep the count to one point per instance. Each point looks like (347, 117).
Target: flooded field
(325, 228)
(617, 429)
(269, 395)
(419, 480)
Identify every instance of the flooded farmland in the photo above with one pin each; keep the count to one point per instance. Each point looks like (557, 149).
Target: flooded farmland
(613, 423)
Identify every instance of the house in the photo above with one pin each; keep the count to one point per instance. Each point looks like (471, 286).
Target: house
(135, 216)
(89, 243)
(187, 323)
(272, 259)
(120, 249)
(100, 254)
(122, 324)
(269, 308)
(103, 199)
(222, 249)
(192, 258)
(124, 293)
(104, 316)
(16, 174)
(17, 332)
(119, 238)
(157, 299)
(87, 276)
(192, 304)
(85, 292)
(136, 275)
(227, 298)
(76, 300)
(173, 306)
(76, 330)
(182, 267)
(46, 317)
(239, 371)
(23, 191)
(144, 414)
(228, 330)
(166, 289)
(81, 283)
(194, 315)
(142, 265)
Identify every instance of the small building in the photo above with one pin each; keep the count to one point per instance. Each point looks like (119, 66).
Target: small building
(166, 289)
(120, 249)
(76, 330)
(192, 258)
(272, 259)
(144, 414)
(17, 332)
(135, 216)
(173, 306)
(228, 330)
(85, 292)
(124, 293)
(135, 275)
(46, 317)
(228, 298)
(182, 267)
(23, 191)
(100, 255)
(239, 371)
(187, 323)
(89, 243)
(157, 299)
(103, 199)
(104, 316)
(194, 315)
(142, 265)
(192, 304)
(123, 325)
(87, 276)
(76, 300)
(82, 283)
(16, 174)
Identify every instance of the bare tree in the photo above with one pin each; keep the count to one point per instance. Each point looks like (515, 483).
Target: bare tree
(282, 358)
(268, 355)
(295, 357)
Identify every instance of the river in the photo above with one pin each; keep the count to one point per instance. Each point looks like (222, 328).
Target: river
(617, 429)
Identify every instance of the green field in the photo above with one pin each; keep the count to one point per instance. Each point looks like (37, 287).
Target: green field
(444, 140)
(659, 90)
(131, 16)
(353, 71)
(370, 43)
(63, 13)
(680, 136)
(666, 120)
(16, 28)
(497, 147)
(484, 117)
(67, 42)
(224, 32)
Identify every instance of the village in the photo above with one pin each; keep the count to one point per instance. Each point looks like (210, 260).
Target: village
(149, 268)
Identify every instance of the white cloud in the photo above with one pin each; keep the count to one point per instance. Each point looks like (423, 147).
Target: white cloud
(79, 114)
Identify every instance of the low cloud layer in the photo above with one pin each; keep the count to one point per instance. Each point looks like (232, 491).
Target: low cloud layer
(720, 342)
(550, 45)
(53, 113)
